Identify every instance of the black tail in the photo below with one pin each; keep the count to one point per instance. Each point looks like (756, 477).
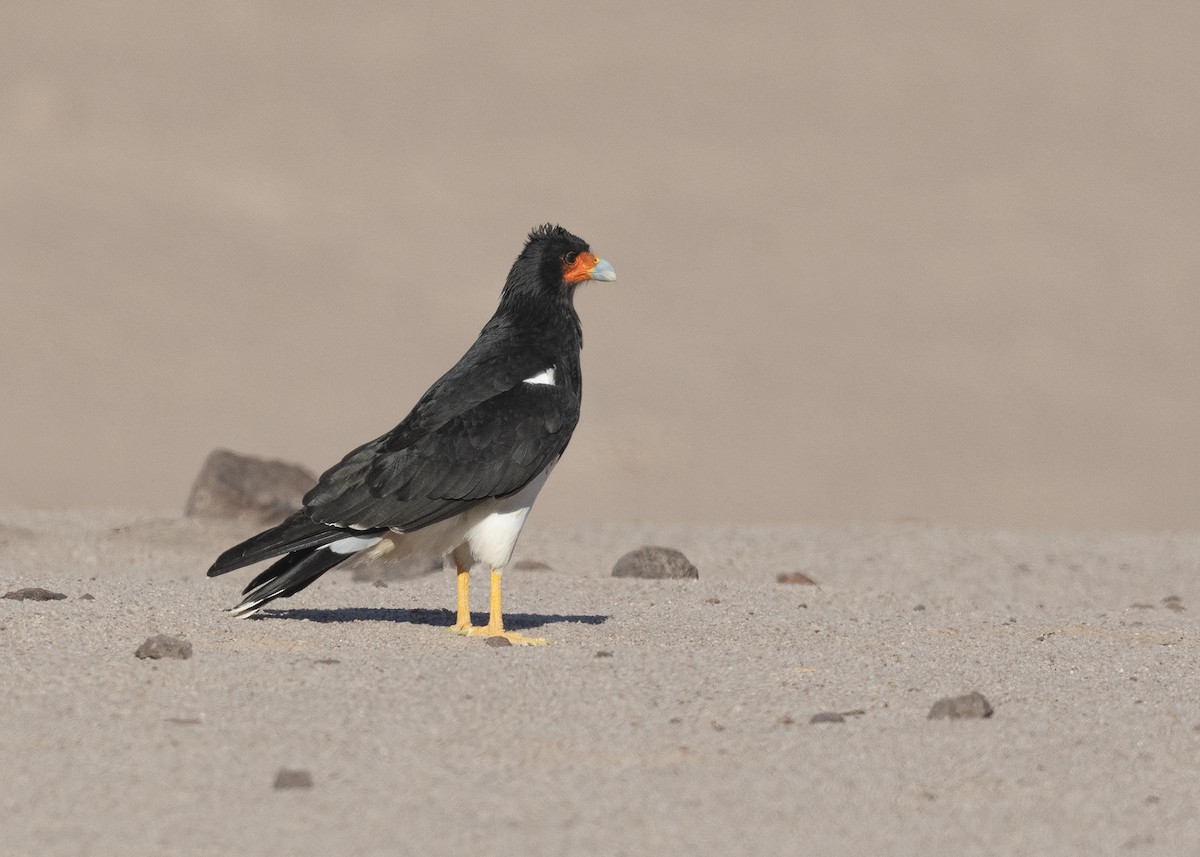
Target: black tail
(287, 577)
(296, 533)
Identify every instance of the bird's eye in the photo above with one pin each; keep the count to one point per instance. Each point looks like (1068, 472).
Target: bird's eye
(570, 258)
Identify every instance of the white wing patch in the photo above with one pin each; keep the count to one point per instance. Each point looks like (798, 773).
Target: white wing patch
(353, 544)
(544, 377)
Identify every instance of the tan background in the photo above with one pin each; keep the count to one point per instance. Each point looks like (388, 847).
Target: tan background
(887, 260)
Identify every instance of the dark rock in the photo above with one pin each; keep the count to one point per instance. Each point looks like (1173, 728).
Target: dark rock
(918, 608)
(531, 565)
(163, 646)
(604, 654)
(712, 600)
(498, 642)
(289, 778)
(246, 488)
(827, 717)
(87, 596)
(34, 593)
(971, 705)
(384, 569)
(795, 577)
(656, 563)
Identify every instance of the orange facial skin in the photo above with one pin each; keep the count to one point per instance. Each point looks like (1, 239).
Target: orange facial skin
(581, 269)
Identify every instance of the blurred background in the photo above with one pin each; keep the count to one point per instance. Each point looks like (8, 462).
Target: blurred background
(877, 261)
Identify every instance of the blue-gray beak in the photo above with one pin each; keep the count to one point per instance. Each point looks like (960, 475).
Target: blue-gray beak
(604, 272)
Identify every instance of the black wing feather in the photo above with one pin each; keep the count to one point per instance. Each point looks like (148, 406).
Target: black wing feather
(287, 576)
(492, 449)
(298, 531)
(457, 445)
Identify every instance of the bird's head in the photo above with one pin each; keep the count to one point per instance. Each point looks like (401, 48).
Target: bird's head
(553, 263)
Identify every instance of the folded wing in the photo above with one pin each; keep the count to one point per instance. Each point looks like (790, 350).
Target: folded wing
(407, 480)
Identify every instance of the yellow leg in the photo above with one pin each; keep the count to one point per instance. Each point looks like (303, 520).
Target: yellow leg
(463, 623)
(495, 610)
(495, 625)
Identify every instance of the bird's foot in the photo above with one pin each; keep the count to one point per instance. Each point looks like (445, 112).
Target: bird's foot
(461, 628)
(514, 637)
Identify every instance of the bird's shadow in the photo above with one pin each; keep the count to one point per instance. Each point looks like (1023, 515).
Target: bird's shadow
(421, 616)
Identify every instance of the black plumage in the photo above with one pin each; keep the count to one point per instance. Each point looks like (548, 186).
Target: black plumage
(481, 432)
(291, 574)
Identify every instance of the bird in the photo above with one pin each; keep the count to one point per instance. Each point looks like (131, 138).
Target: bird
(459, 474)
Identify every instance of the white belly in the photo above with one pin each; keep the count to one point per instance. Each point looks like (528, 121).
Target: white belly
(495, 532)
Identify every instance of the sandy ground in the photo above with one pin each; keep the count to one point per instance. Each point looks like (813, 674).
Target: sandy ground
(877, 262)
(692, 737)
(886, 260)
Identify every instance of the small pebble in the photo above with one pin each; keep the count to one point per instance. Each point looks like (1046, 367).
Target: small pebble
(164, 646)
(87, 596)
(795, 577)
(498, 642)
(34, 593)
(918, 608)
(969, 706)
(827, 717)
(289, 778)
(603, 654)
